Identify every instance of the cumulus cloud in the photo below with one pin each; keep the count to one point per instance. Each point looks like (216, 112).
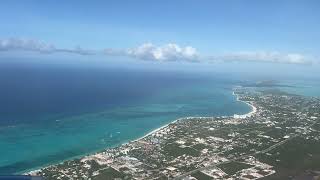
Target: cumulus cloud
(263, 56)
(149, 51)
(15, 44)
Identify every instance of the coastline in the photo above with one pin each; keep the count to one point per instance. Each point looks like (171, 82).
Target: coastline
(236, 116)
(156, 130)
(249, 114)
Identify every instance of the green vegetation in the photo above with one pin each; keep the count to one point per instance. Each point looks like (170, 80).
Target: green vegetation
(199, 175)
(174, 150)
(294, 157)
(233, 167)
(109, 173)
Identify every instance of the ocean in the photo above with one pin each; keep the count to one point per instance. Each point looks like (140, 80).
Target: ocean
(50, 114)
(305, 87)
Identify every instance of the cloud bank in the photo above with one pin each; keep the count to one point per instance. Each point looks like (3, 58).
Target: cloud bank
(25, 45)
(263, 56)
(164, 53)
(15, 44)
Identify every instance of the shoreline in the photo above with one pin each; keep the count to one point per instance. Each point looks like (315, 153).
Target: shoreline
(236, 116)
(249, 114)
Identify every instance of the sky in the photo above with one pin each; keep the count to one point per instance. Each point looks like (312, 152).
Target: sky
(209, 32)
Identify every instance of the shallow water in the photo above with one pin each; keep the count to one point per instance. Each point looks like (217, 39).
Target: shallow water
(48, 116)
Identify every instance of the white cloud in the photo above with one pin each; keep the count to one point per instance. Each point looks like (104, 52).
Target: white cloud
(263, 56)
(173, 52)
(25, 44)
(168, 52)
(15, 44)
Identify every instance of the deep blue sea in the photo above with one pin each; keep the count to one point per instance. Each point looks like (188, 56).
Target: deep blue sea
(50, 114)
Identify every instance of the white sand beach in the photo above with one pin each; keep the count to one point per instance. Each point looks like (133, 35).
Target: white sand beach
(249, 114)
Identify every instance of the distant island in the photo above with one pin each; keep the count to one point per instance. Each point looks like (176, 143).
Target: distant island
(265, 83)
(279, 139)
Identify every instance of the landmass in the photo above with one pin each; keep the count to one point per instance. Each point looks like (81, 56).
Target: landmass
(265, 83)
(279, 139)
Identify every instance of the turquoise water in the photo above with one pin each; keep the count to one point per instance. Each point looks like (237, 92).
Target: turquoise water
(72, 136)
(41, 127)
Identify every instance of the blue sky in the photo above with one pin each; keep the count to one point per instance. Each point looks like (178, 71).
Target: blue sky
(267, 31)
